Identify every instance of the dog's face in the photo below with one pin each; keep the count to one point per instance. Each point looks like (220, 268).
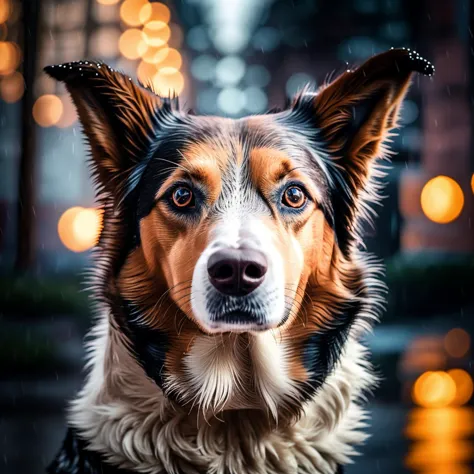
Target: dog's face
(237, 228)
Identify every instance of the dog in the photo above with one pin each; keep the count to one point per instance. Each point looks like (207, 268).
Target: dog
(231, 285)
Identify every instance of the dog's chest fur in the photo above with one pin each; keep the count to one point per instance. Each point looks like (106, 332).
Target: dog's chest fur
(142, 431)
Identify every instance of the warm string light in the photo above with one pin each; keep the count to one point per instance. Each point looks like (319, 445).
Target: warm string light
(147, 40)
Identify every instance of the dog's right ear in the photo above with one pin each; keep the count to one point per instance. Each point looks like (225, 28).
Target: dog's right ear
(119, 117)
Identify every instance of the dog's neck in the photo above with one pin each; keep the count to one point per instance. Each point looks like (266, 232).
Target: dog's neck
(123, 415)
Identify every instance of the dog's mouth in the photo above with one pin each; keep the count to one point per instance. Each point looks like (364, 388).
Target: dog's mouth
(239, 321)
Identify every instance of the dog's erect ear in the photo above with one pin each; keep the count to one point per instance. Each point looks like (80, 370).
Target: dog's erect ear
(120, 118)
(352, 118)
(355, 112)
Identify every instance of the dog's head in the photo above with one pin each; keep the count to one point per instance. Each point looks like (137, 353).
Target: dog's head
(228, 248)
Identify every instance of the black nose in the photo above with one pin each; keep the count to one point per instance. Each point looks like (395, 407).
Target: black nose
(237, 272)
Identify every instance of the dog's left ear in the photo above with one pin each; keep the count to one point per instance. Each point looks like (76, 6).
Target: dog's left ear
(120, 119)
(355, 112)
(352, 118)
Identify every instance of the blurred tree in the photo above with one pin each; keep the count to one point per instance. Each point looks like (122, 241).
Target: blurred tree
(26, 188)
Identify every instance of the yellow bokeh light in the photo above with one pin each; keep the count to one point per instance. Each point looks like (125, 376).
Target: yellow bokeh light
(12, 87)
(168, 82)
(108, 2)
(145, 72)
(434, 390)
(442, 199)
(457, 342)
(130, 11)
(79, 228)
(156, 33)
(154, 12)
(10, 57)
(440, 423)
(154, 55)
(426, 454)
(47, 110)
(4, 10)
(464, 386)
(69, 115)
(132, 44)
(172, 60)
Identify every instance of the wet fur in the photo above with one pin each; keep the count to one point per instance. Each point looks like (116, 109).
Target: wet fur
(162, 395)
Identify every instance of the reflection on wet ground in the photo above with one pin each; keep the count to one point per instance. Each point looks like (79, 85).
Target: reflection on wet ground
(429, 368)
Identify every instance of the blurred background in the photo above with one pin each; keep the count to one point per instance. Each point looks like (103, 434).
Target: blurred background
(232, 58)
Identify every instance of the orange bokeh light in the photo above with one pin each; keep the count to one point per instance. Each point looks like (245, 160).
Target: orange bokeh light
(154, 12)
(457, 342)
(132, 44)
(464, 386)
(472, 182)
(4, 10)
(12, 87)
(434, 390)
(10, 57)
(442, 199)
(145, 72)
(47, 110)
(168, 82)
(154, 55)
(130, 11)
(69, 115)
(172, 60)
(156, 33)
(79, 228)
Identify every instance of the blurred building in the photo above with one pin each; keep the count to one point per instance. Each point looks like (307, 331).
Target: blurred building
(232, 58)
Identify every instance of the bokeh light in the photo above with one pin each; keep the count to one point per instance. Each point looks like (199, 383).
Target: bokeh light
(154, 55)
(440, 438)
(47, 110)
(172, 59)
(10, 57)
(472, 183)
(145, 72)
(442, 199)
(154, 12)
(230, 70)
(12, 87)
(156, 33)
(130, 12)
(457, 342)
(79, 228)
(434, 390)
(132, 44)
(69, 115)
(4, 10)
(168, 82)
(464, 386)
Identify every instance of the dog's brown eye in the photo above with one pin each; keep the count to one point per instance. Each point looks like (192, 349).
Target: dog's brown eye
(183, 197)
(294, 197)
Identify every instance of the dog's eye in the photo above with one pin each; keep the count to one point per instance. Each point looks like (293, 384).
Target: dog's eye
(294, 197)
(183, 197)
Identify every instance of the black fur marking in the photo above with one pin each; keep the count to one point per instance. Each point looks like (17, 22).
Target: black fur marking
(149, 346)
(74, 458)
(323, 349)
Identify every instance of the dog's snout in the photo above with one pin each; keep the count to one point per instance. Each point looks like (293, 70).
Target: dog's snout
(237, 272)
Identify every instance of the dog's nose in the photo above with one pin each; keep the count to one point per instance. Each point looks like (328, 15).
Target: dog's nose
(237, 272)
